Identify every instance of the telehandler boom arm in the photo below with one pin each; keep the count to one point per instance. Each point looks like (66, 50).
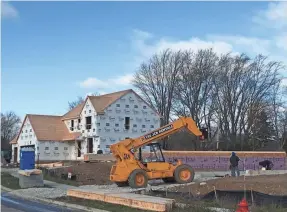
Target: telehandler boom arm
(122, 148)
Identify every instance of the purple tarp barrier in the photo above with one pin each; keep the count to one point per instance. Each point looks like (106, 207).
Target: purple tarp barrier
(222, 163)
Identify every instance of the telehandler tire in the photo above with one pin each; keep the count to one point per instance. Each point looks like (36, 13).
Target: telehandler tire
(168, 180)
(138, 179)
(184, 174)
(122, 184)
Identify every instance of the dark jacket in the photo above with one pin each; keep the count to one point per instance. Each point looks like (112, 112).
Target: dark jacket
(266, 164)
(234, 160)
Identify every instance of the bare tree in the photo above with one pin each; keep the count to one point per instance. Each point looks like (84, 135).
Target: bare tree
(79, 100)
(193, 93)
(279, 114)
(75, 103)
(283, 129)
(243, 88)
(156, 80)
(10, 124)
(234, 96)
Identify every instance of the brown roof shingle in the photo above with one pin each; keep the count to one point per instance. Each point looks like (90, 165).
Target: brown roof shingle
(48, 128)
(75, 112)
(51, 128)
(14, 140)
(99, 103)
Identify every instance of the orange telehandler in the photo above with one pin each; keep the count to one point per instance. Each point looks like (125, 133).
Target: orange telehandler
(135, 172)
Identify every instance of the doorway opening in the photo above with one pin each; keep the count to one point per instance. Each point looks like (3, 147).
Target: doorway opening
(15, 154)
(90, 145)
(79, 148)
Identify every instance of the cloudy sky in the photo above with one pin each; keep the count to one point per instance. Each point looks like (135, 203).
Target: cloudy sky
(53, 52)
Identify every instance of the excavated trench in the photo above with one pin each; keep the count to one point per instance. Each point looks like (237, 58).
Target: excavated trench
(225, 198)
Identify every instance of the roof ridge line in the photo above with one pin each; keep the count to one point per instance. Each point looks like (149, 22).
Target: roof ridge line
(112, 93)
(29, 114)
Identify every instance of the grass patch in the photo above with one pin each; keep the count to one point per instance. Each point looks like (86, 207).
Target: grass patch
(59, 180)
(272, 208)
(9, 181)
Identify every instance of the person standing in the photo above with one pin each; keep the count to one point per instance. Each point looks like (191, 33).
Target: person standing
(234, 164)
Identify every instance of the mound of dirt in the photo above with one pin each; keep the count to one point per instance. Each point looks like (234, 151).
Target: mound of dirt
(94, 173)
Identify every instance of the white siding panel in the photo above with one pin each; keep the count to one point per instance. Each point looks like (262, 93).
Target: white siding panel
(56, 150)
(112, 125)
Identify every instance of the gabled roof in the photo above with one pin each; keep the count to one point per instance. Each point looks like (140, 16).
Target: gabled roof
(14, 140)
(49, 128)
(100, 103)
(75, 112)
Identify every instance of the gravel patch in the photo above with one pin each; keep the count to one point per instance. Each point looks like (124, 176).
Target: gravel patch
(112, 187)
(9, 170)
(46, 193)
(154, 185)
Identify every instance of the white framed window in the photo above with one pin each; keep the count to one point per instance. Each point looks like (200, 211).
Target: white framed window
(66, 148)
(46, 148)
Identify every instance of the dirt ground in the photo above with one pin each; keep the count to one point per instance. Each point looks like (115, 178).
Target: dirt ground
(97, 173)
(93, 173)
(271, 184)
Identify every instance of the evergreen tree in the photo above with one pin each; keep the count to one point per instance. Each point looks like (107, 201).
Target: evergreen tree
(263, 131)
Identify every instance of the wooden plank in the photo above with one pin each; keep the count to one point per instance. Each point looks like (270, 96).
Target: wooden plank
(30, 172)
(123, 198)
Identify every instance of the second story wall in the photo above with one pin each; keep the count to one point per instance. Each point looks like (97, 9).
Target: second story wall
(74, 125)
(27, 135)
(88, 120)
(129, 117)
